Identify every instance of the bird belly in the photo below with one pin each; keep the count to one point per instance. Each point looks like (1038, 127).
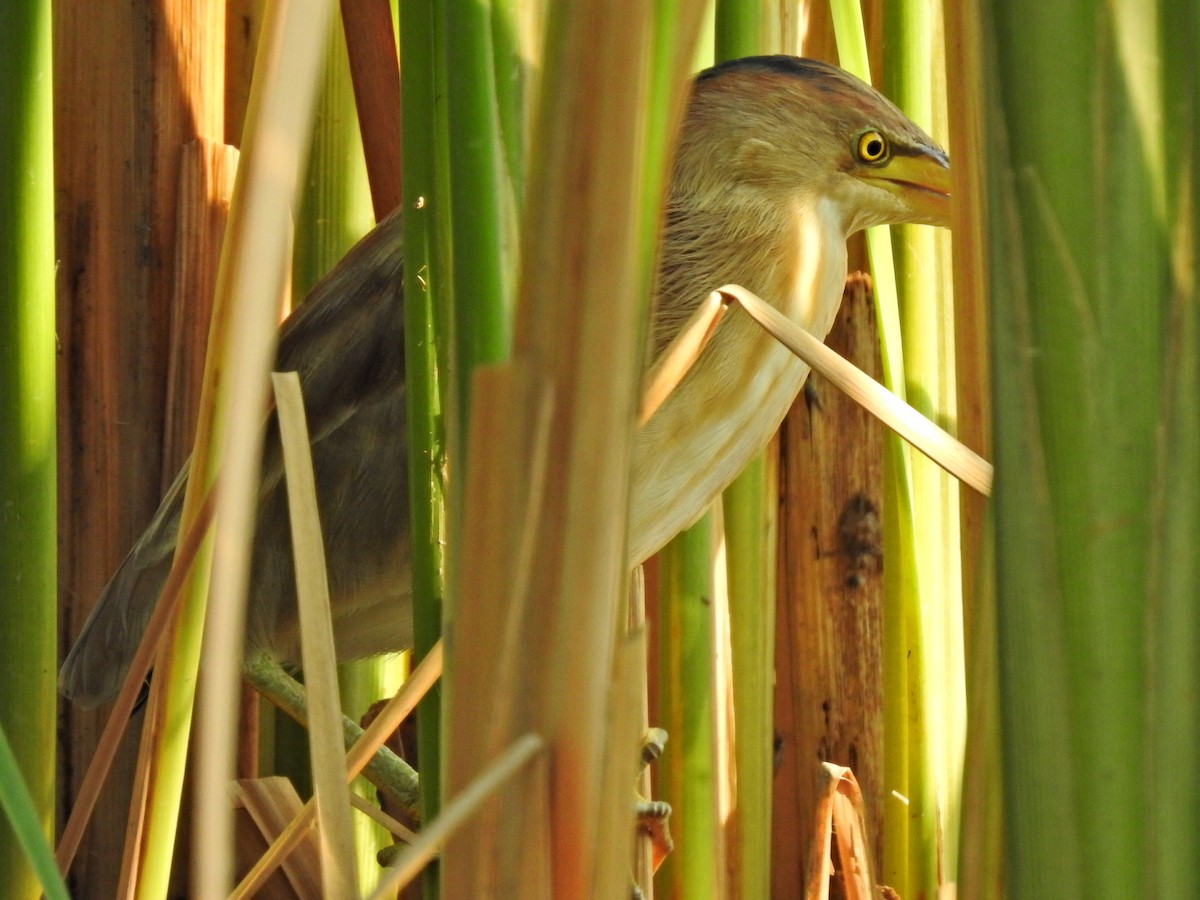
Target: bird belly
(370, 617)
(726, 409)
(695, 457)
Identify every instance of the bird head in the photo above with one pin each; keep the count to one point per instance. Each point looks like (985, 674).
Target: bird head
(783, 129)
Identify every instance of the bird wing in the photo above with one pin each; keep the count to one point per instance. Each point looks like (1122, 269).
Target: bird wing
(346, 343)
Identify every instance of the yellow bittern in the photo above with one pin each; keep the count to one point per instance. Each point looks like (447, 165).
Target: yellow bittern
(779, 160)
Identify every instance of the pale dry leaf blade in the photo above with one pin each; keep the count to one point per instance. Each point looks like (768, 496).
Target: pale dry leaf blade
(316, 641)
(945, 450)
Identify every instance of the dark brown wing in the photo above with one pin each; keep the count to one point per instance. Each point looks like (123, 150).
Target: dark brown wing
(347, 343)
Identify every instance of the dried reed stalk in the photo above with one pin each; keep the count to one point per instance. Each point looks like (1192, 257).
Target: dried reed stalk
(250, 282)
(576, 337)
(375, 72)
(316, 644)
(829, 701)
(840, 815)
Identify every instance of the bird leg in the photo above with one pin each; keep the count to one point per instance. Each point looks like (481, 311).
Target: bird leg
(386, 770)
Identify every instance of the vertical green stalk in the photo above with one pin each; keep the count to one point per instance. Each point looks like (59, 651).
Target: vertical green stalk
(746, 29)
(483, 205)
(28, 524)
(335, 203)
(687, 678)
(687, 635)
(914, 79)
(427, 301)
(1173, 632)
(461, 184)
(1095, 343)
(510, 80)
(751, 534)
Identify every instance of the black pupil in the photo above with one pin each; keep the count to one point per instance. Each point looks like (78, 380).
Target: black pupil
(873, 148)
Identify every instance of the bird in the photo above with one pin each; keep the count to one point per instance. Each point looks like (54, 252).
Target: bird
(779, 160)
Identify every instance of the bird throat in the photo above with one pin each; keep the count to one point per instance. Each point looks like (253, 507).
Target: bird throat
(735, 397)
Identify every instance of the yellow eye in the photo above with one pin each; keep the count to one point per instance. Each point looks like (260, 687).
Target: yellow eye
(872, 147)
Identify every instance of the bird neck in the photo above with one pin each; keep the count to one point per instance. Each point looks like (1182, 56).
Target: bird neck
(790, 251)
(816, 275)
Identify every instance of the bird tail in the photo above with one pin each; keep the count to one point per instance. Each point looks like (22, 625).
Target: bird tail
(94, 669)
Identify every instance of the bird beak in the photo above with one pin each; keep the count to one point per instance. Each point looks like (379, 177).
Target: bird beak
(920, 178)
